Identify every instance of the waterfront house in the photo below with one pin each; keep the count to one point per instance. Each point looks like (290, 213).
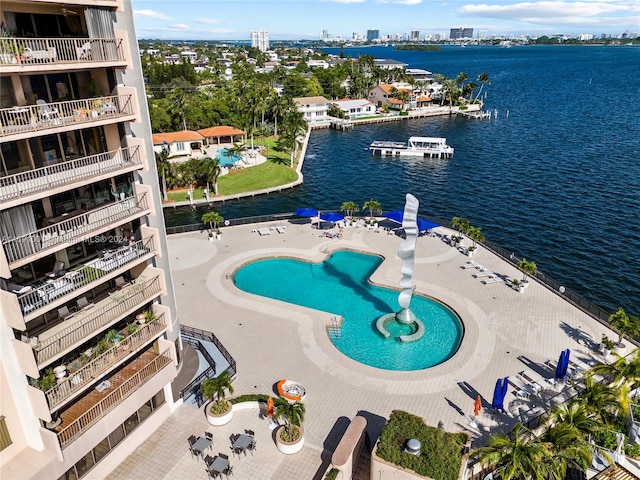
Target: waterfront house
(384, 94)
(222, 135)
(178, 144)
(388, 63)
(314, 109)
(360, 107)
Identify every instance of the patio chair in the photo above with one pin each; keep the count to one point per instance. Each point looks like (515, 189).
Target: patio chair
(483, 273)
(47, 112)
(209, 435)
(84, 304)
(492, 279)
(208, 460)
(84, 52)
(64, 313)
(249, 432)
(222, 455)
(58, 269)
(522, 390)
(192, 439)
(120, 283)
(228, 471)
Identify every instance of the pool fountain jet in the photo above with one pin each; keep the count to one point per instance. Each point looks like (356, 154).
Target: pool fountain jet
(406, 252)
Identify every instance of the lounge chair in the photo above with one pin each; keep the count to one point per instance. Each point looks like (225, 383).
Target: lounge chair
(535, 386)
(492, 279)
(120, 283)
(470, 264)
(533, 376)
(483, 273)
(58, 270)
(522, 390)
(64, 313)
(84, 304)
(47, 112)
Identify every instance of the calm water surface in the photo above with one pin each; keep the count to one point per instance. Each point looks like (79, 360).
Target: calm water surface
(555, 178)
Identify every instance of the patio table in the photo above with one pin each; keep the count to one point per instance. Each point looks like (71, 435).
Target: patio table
(219, 465)
(201, 444)
(243, 442)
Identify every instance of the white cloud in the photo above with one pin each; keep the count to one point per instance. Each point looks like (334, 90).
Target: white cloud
(179, 26)
(150, 14)
(207, 21)
(346, 1)
(551, 12)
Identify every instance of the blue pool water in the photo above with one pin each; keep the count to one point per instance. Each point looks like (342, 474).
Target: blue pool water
(225, 158)
(340, 286)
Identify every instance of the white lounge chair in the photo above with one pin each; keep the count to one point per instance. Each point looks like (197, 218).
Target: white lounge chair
(84, 52)
(470, 264)
(484, 273)
(47, 112)
(492, 279)
(523, 390)
(534, 376)
(535, 386)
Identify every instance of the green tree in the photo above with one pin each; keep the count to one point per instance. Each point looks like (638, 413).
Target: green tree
(461, 224)
(569, 449)
(213, 218)
(164, 168)
(293, 414)
(624, 324)
(625, 374)
(483, 78)
(599, 400)
(518, 456)
(216, 388)
(349, 208)
(373, 206)
(527, 267)
(476, 235)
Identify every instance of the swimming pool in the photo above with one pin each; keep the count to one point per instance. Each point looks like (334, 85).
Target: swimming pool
(340, 286)
(225, 158)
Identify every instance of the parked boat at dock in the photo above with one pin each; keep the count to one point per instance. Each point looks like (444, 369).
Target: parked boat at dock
(432, 147)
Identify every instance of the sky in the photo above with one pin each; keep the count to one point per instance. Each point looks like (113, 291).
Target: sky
(306, 19)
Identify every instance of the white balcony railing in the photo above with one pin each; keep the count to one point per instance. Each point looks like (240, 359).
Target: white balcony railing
(44, 116)
(39, 51)
(66, 231)
(96, 413)
(86, 323)
(97, 367)
(51, 290)
(45, 178)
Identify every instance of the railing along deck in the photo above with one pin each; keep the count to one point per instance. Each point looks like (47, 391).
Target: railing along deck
(54, 289)
(47, 51)
(34, 118)
(97, 367)
(49, 237)
(98, 404)
(88, 322)
(45, 178)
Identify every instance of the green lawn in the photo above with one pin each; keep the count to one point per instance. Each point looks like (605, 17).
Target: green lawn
(265, 175)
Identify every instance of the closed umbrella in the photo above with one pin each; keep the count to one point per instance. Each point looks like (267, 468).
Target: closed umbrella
(477, 406)
(559, 365)
(565, 363)
(498, 395)
(505, 388)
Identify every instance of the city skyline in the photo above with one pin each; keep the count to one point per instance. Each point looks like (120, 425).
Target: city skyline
(306, 19)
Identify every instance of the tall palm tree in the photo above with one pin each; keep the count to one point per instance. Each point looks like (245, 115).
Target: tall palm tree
(403, 96)
(349, 208)
(293, 413)
(598, 400)
(213, 218)
(576, 415)
(461, 224)
(518, 456)
(476, 235)
(527, 267)
(625, 373)
(164, 168)
(483, 78)
(569, 449)
(373, 206)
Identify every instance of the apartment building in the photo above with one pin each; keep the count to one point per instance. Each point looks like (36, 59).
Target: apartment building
(89, 334)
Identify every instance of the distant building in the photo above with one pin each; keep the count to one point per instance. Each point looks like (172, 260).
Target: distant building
(355, 108)
(372, 35)
(314, 109)
(388, 63)
(415, 35)
(260, 40)
(458, 33)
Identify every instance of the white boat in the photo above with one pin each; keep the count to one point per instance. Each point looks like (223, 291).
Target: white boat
(433, 147)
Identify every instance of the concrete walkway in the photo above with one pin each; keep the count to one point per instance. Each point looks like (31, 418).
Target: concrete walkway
(505, 333)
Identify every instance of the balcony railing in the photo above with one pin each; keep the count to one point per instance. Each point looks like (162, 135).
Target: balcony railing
(45, 178)
(54, 289)
(97, 367)
(86, 323)
(38, 51)
(96, 413)
(44, 116)
(69, 230)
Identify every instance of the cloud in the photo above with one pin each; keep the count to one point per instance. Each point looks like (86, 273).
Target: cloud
(402, 2)
(150, 14)
(551, 12)
(346, 1)
(183, 27)
(207, 21)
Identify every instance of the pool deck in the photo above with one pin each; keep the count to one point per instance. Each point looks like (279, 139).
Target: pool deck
(506, 332)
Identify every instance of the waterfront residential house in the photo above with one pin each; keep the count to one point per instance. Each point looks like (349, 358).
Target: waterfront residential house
(389, 64)
(355, 108)
(222, 135)
(184, 143)
(384, 94)
(314, 109)
(85, 375)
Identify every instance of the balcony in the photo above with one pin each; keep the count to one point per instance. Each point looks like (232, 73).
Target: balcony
(43, 179)
(31, 52)
(103, 363)
(87, 323)
(92, 408)
(48, 116)
(70, 228)
(37, 298)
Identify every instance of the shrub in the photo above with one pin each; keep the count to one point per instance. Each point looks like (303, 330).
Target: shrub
(332, 474)
(632, 450)
(251, 397)
(463, 107)
(441, 452)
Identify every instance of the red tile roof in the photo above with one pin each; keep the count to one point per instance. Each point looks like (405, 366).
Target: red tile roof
(222, 131)
(170, 137)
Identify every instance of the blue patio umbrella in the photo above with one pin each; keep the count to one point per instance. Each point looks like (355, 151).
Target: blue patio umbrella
(306, 212)
(398, 215)
(331, 217)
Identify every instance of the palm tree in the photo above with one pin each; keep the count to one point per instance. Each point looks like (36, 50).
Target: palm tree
(164, 168)
(625, 373)
(216, 388)
(576, 415)
(237, 150)
(293, 412)
(373, 206)
(213, 218)
(518, 456)
(527, 267)
(207, 172)
(599, 400)
(461, 224)
(403, 96)
(569, 448)
(624, 324)
(349, 208)
(483, 78)
(476, 235)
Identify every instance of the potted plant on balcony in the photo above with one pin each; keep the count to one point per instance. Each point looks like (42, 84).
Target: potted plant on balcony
(220, 411)
(149, 316)
(290, 437)
(47, 381)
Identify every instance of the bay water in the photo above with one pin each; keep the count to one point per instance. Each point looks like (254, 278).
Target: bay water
(554, 177)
